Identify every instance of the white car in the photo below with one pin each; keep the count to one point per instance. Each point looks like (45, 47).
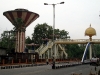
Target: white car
(94, 61)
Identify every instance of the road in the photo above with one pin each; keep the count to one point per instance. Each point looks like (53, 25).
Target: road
(47, 70)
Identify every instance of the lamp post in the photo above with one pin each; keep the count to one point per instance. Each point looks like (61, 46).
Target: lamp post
(53, 15)
(53, 67)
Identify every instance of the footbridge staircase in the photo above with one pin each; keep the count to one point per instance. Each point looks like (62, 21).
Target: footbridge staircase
(49, 47)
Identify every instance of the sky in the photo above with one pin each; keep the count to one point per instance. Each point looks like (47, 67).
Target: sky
(74, 16)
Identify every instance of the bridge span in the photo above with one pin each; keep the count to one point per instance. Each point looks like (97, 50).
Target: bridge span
(77, 41)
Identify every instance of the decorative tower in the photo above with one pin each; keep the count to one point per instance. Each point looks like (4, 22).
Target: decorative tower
(90, 32)
(20, 18)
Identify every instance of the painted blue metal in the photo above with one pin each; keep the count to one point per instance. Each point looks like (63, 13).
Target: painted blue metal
(85, 51)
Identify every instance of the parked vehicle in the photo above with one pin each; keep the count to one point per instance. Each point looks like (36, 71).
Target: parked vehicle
(95, 61)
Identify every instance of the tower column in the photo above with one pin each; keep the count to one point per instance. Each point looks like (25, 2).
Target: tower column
(22, 40)
(90, 51)
(18, 42)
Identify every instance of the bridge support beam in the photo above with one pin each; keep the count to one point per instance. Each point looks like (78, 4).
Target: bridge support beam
(55, 53)
(90, 51)
(48, 53)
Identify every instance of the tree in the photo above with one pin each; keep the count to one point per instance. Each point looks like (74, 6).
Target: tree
(74, 51)
(8, 40)
(96, 50)
(63, 34)
(41, 31)
(28, 40)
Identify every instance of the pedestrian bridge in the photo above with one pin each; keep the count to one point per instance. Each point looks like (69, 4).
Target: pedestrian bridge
(77, 41)
(58, 49)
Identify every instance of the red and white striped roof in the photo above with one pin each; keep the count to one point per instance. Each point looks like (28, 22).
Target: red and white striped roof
(26, 16)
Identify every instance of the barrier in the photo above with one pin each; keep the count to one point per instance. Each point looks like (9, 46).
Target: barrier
(67, 65)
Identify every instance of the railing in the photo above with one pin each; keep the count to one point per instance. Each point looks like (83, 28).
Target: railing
(43, 50)
(77, 40)
(39, 48)
(48, 45)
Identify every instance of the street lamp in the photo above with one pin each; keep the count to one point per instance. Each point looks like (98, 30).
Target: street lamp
(53, 15)
(53, 67)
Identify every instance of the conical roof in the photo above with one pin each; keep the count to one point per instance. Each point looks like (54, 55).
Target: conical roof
(90, 31)
(20, 17)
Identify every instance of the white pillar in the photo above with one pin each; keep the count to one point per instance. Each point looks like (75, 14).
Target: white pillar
(48, 53)
(44, 55)
(55, 52)
(90, 51)
(51, 53)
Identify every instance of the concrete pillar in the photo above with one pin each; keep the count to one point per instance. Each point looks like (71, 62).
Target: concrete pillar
(48, 53)
(20, 40)
(44, 56)
(18, 36)
(55, 51)
(51, 53)
(90, 51)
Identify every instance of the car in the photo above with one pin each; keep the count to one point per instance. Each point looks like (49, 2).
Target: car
(95, 61)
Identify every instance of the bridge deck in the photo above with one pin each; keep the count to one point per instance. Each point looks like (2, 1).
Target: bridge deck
(77, 41)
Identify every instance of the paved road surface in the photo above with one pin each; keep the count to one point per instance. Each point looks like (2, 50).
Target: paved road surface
(46, 70)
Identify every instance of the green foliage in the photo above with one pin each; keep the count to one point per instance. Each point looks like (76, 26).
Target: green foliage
(28, 41)
(96, 50)
(42, 31)
(74, 51)
(8, 40)
(18, 22)
(63, 34)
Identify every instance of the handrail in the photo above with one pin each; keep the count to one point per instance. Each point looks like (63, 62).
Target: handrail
(77, 40)
(45, 47)
(37, 50)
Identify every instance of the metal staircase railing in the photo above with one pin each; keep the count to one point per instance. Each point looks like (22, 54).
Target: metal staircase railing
(38, 50)
(45, 48)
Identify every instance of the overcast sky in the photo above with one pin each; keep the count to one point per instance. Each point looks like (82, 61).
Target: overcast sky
(74, 16)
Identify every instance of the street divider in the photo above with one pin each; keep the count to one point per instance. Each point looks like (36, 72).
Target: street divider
(58, 66)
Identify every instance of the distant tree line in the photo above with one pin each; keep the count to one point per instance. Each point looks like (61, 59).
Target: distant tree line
(42, 31)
